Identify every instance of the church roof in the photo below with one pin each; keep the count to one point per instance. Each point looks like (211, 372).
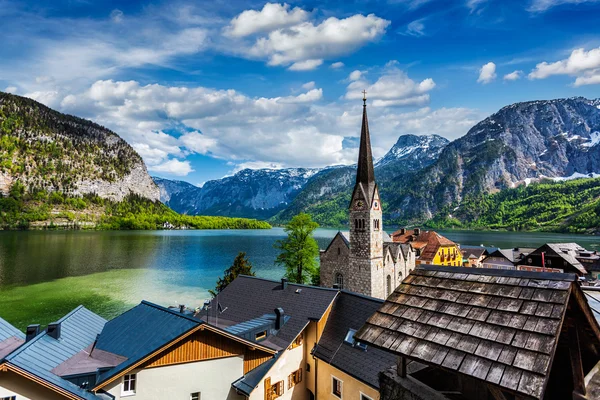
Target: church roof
(365, 173)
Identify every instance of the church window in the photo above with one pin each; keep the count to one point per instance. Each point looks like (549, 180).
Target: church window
(339, 251)
(362, 224)
(339, 280)
(355, 224)
(388, 286)
(400, 276)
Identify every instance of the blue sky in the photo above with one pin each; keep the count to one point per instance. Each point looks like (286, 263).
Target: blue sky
(202, 89)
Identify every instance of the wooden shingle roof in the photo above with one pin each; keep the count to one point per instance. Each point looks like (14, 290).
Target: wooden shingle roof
(501, 327)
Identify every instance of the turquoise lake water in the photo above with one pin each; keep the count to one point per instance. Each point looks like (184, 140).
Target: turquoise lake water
(180, 266)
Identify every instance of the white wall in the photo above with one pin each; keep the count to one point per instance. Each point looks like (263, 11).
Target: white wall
(212, 378)
(12, 384)
(288, 362)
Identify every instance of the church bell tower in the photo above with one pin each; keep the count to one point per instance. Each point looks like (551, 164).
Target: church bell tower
(366, 229)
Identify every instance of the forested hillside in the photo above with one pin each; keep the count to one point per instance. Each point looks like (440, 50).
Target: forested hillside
(569, 206)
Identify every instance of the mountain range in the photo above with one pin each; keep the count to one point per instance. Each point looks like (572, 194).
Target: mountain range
(421, 176)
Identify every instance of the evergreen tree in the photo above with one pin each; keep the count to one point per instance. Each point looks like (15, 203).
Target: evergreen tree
(299, 250)
(241, 266)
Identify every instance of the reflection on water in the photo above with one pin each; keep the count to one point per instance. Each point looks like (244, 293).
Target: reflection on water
(180, 266)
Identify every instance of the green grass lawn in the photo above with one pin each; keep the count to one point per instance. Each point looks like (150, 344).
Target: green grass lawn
(46, 302)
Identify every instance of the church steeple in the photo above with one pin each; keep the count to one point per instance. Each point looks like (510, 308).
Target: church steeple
(364, 172)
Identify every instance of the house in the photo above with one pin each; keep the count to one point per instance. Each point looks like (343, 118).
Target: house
(472, 256)
(345, 366)
(488, 334)
(28, 372)
(430, 247)
(561, 257)
(505, 258)
(363, 260)
(591, 262)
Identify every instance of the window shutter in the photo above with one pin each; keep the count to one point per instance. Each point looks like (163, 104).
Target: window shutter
(290, 381)
(280, 388)
(268, 390)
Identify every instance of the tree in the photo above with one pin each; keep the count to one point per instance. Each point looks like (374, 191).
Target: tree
(240, 266)
(299, 250)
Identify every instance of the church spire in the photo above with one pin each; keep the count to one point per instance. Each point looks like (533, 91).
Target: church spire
(364, 172)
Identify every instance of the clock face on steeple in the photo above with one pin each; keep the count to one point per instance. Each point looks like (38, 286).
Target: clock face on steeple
(376, 205)
(359, 204)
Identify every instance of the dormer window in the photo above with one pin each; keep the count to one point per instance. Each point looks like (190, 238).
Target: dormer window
(349, 339)
(260, 335)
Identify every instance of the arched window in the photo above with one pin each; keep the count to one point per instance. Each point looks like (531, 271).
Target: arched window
(388, 285)
(400, 277)
(339, 280)
(355, 224)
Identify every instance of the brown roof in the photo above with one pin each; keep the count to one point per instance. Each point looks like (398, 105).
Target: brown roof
(428, 241)
(501, 327)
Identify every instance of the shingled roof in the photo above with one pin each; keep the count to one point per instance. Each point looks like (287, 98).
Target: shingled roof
(351, 311)
(10, 338)
(501, 327)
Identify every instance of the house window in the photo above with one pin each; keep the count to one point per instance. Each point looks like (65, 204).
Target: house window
(128, 387)
(276, 390)
(9, 398)
(336, 387)
(339, 280)
(294, 378)
(388, 285)
(351, 341)
(365, 397)
(195, 396)
(307, 367)
(260, 335)
(297, 342)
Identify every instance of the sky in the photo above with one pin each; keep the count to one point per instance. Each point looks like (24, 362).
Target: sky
(203, 89)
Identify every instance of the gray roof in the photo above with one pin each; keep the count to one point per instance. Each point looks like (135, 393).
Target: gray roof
(42, 354)
(141, 331)
(568, 252)
(247, 383)
(10, 338)
(351, 311)
(247, 298)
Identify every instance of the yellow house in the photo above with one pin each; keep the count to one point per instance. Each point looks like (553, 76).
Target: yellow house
(430, 247)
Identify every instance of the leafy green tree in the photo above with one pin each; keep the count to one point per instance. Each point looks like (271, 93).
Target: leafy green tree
(241, 266)
(299, 250)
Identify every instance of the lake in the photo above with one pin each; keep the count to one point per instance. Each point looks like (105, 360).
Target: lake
(169, 267)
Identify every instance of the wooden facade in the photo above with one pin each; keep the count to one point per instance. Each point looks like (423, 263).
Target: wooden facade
(207, 345)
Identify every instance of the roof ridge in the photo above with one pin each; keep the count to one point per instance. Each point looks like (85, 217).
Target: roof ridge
(289, 283)
(43, 333)
(173, 312)
(557, 276)
(364, 296)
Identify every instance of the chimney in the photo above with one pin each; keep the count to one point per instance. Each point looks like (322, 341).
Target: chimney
(31, 332)
(182, 308)
(336, 286)
(284, 283)
(403, 231)
(417, 231)
(53, 330)
(279, 314)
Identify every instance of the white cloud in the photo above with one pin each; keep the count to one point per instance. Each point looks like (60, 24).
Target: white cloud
(309, 85)
(393, 88)
(173, 167)
(355, 75)
(117, 16)
(416, 28)
(337, 65)
(309, 42)
(474, 5)
(306, 65)
(584, 65)
(592, 78)
(11, 89)
(308, 97)
(513, 76)
(256, 165)
(272, 16)
(544, 5)
(487, 73)
(197, 142)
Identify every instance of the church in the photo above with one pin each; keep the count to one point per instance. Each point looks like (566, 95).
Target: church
(365, 260)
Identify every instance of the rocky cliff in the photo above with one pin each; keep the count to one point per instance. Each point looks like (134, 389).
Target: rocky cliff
(49, 151)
